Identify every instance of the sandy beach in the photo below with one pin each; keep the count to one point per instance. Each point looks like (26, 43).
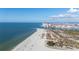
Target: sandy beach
(33, 42)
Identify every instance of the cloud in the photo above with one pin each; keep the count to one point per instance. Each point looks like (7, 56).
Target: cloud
(73, 10)
(71, 13)
(63, 15)
(60, 15)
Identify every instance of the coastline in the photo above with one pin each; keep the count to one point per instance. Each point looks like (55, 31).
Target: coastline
(33, 43)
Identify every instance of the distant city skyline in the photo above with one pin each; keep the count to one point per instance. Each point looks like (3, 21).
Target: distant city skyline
(38, 14)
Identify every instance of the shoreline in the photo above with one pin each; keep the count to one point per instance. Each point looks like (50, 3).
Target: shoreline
(33, 43)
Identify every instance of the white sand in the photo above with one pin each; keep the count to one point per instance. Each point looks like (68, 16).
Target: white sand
(34, 42)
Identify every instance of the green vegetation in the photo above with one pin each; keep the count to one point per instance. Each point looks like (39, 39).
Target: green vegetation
(50, 43)
(72, 32)
(66, 43)
(62, 41)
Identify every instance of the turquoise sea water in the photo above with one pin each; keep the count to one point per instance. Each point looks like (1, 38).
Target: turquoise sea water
(12, 34)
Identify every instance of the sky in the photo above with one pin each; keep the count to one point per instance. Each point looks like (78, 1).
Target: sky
(38, 14)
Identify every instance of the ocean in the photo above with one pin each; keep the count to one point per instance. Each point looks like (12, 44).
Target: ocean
(12, 34)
